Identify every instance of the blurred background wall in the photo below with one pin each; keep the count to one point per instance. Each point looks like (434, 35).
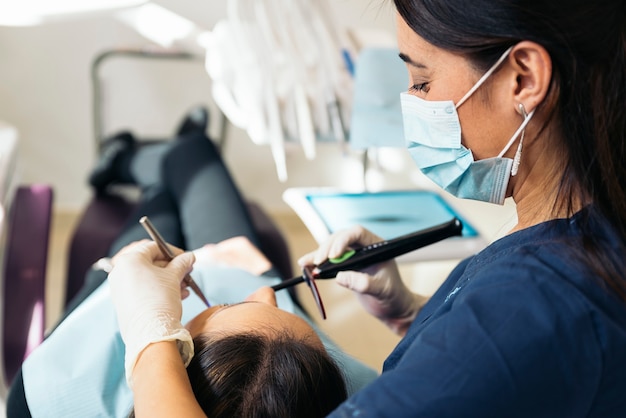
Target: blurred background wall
(46, 93)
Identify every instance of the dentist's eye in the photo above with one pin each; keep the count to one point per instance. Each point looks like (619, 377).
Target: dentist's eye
(419, 88)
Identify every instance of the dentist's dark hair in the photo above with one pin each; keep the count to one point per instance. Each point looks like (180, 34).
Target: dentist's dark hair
(586, 41)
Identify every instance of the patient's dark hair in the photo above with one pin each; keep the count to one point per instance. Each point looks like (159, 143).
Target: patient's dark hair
(259, 375)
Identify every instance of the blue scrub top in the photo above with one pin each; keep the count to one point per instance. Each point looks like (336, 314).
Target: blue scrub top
(523, 329)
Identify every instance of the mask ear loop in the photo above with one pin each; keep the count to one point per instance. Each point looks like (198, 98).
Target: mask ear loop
(518, 153)
(485, 76)
(520, 130)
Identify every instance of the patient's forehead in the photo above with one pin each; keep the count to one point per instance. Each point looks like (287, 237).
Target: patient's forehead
(251, 316)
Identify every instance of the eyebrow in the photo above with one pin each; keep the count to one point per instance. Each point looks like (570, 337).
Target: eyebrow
(404, 57)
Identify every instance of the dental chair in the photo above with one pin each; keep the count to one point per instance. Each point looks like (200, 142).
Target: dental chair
(25, 224)
(25, 220)
(106, 214)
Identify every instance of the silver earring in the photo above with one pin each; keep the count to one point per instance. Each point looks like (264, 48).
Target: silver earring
(522, 110)
(518, 154)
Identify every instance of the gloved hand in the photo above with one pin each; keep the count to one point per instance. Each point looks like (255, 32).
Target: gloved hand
(379, 288)
(146, 292)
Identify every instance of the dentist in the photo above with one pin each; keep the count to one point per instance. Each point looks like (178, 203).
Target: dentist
(520, 99)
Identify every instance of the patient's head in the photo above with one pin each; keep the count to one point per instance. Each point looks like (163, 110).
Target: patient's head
(257, 375)
(253, 359)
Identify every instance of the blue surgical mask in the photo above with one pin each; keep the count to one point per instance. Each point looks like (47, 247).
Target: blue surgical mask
(432, 131)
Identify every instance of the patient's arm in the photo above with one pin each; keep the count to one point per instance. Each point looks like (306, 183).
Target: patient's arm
(160, 384)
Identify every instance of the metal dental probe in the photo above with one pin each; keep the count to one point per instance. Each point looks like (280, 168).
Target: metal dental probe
(167, 252)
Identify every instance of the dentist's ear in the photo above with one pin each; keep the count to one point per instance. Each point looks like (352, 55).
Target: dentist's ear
(533, 66)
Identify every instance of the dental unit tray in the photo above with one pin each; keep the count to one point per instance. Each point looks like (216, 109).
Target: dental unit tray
(388, 214)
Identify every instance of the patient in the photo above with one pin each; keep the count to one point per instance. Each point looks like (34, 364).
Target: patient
(246, 353)
(263, 357)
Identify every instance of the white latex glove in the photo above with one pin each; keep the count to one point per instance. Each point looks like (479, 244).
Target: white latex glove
(379, 288)
(146, 292)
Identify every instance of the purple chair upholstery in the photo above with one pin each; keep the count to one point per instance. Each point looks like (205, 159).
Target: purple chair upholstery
(25, 275)
(100, 223)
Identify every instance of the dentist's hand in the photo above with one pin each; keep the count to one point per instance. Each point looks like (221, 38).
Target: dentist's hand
(379, 288)
(146, 292)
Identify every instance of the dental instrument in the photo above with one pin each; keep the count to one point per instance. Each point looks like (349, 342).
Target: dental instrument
(168, 254)
(360, 258)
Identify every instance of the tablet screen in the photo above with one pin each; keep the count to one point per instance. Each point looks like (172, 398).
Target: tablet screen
(387, 214)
